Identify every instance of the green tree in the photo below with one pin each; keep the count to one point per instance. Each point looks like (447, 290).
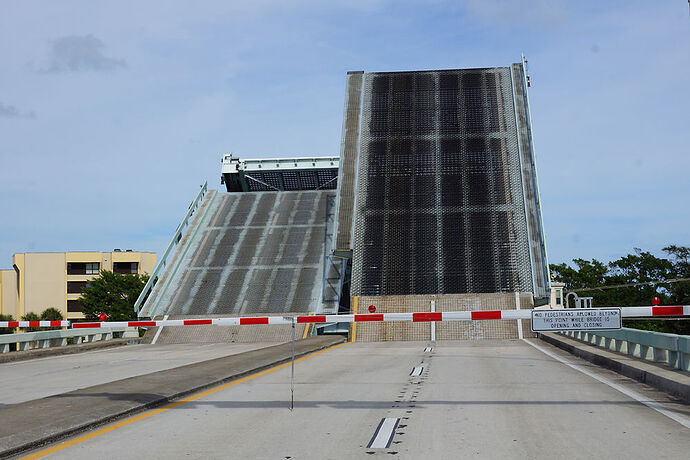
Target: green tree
(113, 294)
(641, 268)
(680, 291)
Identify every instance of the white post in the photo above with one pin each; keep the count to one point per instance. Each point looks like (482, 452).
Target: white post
(433, 323)
(517, 307)
(292, 368)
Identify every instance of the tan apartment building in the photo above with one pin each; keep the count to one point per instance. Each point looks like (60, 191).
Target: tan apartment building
(41, 280)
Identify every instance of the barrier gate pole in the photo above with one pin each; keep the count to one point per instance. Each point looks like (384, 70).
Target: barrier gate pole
(292, 368)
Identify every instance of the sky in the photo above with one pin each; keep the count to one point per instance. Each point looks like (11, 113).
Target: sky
(112, 114)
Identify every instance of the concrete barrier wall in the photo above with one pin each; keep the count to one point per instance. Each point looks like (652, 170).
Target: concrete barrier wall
(459, 330)
(46, 339)
(670, 349)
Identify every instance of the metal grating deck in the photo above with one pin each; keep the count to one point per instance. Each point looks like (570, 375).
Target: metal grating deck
(440, 200)
(257, 253)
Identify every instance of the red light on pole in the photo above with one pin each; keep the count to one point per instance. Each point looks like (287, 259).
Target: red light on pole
(372, 309)
(102, 317)
(656, 301)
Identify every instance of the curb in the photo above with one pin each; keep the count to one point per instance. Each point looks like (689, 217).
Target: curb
(150, 400)
(634, 368)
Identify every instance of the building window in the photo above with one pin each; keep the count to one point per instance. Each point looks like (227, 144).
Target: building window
(76, 268)
(75, 287)
(92, 268)
(73, 306)
(81, 268)
(126, 267)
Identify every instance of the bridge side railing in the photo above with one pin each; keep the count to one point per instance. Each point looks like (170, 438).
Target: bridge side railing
(670, 349)
(57, 338)
(177, 236)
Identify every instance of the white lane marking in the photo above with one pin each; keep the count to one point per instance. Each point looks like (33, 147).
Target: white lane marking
(384, 433)
(416, 371)
(428, 349)
(632, 394)
(158, 332)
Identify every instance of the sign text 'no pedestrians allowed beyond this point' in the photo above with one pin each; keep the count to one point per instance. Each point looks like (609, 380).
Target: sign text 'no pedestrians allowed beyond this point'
(580, 319)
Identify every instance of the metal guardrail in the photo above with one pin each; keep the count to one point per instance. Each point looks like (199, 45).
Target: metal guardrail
(173, 242)
(58, 338)
(671, 349)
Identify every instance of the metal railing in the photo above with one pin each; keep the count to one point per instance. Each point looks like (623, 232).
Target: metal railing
(177, 236)
(57, 338)
(670, 349)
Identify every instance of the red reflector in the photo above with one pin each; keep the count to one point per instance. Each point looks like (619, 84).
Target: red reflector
(667, 311)
(34, 323)
(262, 320)
(437, 316)
(197, 322)
(378, 317)
(311, 319)
(491, 314)
(13, 324)
(141, 324)
(56, 323)
(85, 325)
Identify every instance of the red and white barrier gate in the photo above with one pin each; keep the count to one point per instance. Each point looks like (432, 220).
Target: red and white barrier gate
(626, 312)
(35, 324)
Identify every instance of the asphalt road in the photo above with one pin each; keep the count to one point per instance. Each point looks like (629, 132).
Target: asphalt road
(484, 399)
(37, 378)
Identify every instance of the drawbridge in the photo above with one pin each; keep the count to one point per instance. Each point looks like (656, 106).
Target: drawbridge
(433, 200)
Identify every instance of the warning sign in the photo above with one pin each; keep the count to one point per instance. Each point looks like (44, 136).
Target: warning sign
(576, 319)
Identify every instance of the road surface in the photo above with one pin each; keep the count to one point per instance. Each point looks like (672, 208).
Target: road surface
(482, 399)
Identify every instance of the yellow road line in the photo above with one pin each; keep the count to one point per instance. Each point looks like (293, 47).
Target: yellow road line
(131, 420)
(353, 335)
(307, 328)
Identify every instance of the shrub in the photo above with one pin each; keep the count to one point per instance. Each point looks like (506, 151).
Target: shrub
(6, 330)
(31, 316)
(51, 314)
